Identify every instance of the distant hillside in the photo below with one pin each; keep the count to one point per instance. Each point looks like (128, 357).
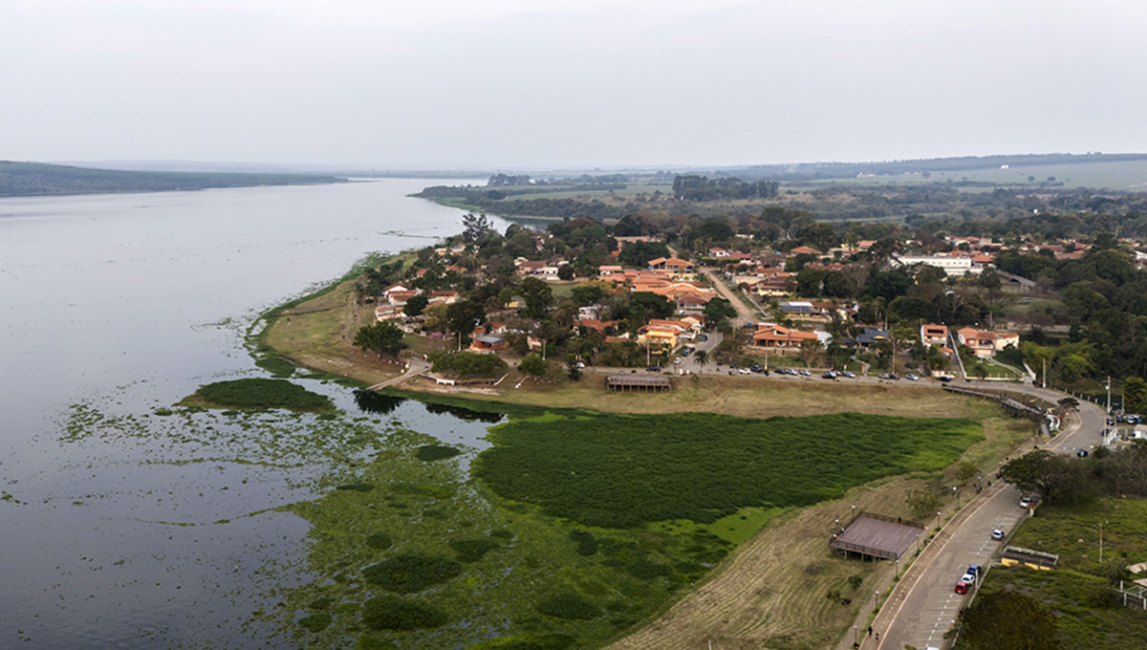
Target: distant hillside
(35, 179)
(812, 171)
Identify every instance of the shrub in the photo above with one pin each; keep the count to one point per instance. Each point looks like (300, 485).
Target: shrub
(393, 613)
(586, 543)
(411, 573)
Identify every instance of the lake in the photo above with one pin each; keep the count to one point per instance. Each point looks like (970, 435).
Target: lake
(124, 528)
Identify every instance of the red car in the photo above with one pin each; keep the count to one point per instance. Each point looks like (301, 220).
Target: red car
(962, 587)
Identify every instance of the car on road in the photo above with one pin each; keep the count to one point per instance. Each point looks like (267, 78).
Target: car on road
(757, 369)
(944, 378)
(1025, 502)
(653, 369)
(850, 375)
(1082, 453)
(962, 587)
(704, 338)
(975, 570)
(806, 373)
(997, 534)
(744, 371)
(831, 374)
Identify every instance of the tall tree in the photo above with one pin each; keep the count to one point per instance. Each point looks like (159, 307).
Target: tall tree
(1134, 395)
(381, 338)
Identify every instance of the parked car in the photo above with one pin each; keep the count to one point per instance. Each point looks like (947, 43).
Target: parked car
(757, 369)
(653, 369)
(1025, 502)
(911, 377)
(828, 375)
(945, 378)
(997, 534)
(806, 373)
(745, 371)
(962, 587)
(975, 570)
(704, 337)
(1082, 453)
(850, 375)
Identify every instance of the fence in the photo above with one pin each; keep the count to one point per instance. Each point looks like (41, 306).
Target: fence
(1130, 599)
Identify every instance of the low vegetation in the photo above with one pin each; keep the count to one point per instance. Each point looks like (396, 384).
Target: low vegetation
(703, 467)
(259, 393)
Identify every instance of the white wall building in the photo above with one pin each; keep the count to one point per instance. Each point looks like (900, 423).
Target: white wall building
(950, 264)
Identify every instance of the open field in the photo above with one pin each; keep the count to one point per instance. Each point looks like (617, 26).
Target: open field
(1130, 176)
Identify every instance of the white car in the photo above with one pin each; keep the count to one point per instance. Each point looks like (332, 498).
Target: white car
(997, 534)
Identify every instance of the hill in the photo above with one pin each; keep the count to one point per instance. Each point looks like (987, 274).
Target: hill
(36, 179)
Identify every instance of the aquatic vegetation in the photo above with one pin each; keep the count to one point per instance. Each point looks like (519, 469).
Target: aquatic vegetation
(259, 393)
(409, 573)
(622, 471)
(436, 452)
(472, 550)
(569, 606)
(393, 613)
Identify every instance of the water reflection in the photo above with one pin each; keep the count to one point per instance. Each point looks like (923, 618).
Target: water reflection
(463, 413)
(373, 402)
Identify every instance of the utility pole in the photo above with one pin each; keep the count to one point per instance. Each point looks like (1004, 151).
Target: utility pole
(1045, 373)
(1109, 394)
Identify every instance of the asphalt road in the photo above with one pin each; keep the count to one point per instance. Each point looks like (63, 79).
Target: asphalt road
(924, 604)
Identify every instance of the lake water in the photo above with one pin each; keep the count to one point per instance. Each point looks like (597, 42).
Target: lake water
(124, 529)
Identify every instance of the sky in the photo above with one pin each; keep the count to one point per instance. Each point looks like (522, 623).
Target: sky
(568, 84)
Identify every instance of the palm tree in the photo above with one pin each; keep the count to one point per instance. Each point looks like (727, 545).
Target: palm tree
(701, 358)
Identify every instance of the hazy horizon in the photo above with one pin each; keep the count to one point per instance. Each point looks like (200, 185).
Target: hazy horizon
(448, 85)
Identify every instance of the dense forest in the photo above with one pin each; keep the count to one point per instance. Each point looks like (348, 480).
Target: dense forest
(35, 179)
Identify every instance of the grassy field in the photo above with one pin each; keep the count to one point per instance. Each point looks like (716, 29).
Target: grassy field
(1124, 175)
(1079, 590)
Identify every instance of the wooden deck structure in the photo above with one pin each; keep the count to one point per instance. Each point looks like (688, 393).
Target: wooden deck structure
(877, 536)
(638, 383)
(1017, 409)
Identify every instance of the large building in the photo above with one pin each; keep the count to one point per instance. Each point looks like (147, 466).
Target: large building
(950, 264)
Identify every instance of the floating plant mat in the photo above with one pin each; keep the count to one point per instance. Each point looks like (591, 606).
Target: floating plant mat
(406, 548)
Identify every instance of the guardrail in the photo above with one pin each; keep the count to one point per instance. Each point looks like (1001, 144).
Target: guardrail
(1031, 557)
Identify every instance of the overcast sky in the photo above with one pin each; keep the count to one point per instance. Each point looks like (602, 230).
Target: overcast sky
(511, 84)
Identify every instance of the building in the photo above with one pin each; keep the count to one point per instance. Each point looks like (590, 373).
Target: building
(950, 264)
(773, 336)
(934, 335)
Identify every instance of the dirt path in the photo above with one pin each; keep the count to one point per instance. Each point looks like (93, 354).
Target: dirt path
(416, 367)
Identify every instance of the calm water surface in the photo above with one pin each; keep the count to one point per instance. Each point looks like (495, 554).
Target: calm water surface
(118, 305)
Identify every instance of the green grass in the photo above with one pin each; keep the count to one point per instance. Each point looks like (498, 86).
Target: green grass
(1079, 591)
(259, 393)
(703, 467)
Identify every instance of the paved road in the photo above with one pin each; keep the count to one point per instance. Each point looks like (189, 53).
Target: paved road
(924, 605)
(745, 315)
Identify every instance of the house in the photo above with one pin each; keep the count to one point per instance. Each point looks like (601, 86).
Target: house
(983, 344)
(872, 336)
(769, 335)
(488, 343)
(718, 252)
(951, 264)
(802, 310)
(399, 298)
(804, 250)
(934, 335)
(387, 312)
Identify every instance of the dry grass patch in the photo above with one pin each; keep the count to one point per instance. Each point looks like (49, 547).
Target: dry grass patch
(318, 334)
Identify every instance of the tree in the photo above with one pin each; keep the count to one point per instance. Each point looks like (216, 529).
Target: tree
(475, 227)
(718, 309)
(463, 316)
(1056, 478)
(379, 337)
(646, 305)
(572, 368)
(538, 296)
(566, 272)
(533, 365)
(1009, 620)
(415, 305)
(1134, 395)
(701, 357)
(923, 503)
(965, 471)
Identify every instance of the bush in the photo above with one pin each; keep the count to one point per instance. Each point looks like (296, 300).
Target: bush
(393, 613)
(315, 622)
(586, 543)
(411, 573)
(568, 606)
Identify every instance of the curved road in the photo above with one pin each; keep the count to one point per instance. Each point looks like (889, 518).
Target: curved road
(923, 606)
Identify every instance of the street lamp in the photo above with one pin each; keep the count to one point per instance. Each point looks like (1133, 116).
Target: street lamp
(937, 521)
(957, 493)
(875, 597)
(1101, 541)
(855, 637)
